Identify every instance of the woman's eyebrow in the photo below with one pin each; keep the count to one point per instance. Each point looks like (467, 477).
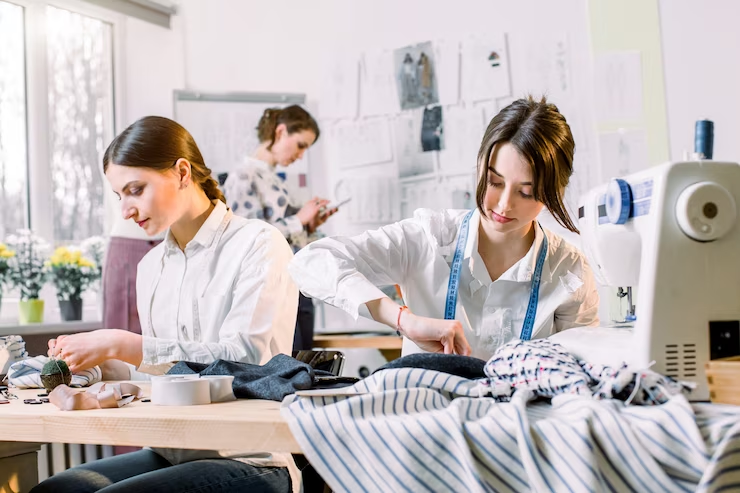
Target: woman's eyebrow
(491, 168)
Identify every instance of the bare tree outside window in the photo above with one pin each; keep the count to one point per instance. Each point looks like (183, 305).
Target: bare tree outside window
(13, 157)
(80, 57)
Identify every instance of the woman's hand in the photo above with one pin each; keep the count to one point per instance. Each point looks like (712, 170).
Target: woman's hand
(311, 211)
(435, 335)
(320, 219)
(87, 349)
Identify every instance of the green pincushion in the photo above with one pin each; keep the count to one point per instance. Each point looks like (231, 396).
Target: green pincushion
(54, 373)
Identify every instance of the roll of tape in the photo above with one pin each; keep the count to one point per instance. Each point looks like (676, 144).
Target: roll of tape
(221, 387)
(180, 390)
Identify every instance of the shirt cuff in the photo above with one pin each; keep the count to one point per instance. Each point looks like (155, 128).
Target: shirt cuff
(156, 351)
(293, 224)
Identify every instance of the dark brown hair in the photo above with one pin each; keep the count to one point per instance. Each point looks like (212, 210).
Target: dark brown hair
(293, 117)
(157, 143)
(542, 137)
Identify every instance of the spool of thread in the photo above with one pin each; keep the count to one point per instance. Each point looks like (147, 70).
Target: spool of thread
(704, 138)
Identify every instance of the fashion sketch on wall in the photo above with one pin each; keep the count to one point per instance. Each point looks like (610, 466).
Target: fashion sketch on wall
(432, 130)
(415, 77)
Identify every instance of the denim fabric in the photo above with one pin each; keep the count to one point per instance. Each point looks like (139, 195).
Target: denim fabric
(280, 376)
(146, 471)
(462, 366)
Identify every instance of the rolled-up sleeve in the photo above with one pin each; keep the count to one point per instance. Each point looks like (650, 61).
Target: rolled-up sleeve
(347, 271)
(582, 309)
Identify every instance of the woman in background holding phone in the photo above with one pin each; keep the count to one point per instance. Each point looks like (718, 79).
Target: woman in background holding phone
(256, 191)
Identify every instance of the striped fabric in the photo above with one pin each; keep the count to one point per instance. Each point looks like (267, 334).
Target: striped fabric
(420, 430)
(26, 374)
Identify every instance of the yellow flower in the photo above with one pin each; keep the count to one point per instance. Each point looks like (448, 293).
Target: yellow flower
(83, 262)
(5, 252)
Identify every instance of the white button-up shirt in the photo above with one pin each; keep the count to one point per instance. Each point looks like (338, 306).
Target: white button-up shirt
(227, 296)
(417, 253)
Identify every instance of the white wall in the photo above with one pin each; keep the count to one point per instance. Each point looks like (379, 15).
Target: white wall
(701, 49)
(153, 67)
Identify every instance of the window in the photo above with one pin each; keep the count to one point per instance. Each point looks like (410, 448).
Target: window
(56, 119)
(13, 158)
(80, 87)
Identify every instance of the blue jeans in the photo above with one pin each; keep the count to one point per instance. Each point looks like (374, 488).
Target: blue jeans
(146, 471)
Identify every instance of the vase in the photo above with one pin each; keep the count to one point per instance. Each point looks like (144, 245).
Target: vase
(71, 309)
(30, 311)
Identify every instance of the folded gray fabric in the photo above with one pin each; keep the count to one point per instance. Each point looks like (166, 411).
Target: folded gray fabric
(280, 376)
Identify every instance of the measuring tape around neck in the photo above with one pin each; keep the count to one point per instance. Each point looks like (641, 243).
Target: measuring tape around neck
(454, 282)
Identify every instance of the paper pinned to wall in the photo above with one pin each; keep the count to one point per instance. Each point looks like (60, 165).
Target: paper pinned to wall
(623, 152)
(618, 91)
(409, 156)
(374, 199)
(378, 84)
(447, 55)
(485, 68)
(357, 143)
(340, 87)
(548, 65)
(456, 192)
(464, 128)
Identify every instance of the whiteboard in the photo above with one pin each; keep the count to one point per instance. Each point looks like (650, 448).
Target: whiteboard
(224, 125)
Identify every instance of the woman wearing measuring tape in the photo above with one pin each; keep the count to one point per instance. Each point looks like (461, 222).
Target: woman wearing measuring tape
(472, 280)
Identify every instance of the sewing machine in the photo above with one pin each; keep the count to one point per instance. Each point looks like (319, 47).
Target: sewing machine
(671, 233)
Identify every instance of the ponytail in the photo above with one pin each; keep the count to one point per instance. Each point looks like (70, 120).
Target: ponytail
(293, 117)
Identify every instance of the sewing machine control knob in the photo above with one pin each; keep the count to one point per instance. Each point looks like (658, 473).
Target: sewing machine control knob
(618, 201)
(706, 211)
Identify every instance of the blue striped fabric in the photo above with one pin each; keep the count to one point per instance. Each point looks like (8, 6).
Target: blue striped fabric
(420, 430)
(26, 374)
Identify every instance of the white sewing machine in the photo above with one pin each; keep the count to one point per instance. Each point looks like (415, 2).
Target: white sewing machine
(672, 234)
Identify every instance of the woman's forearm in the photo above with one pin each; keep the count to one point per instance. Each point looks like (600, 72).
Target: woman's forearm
(386, 311)
(126, 346)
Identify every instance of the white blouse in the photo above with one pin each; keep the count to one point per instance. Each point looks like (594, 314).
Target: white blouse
(416, 254)
(227, 296)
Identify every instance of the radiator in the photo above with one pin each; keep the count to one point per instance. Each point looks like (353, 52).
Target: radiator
(57, 457)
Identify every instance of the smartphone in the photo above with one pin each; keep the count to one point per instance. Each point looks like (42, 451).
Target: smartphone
(336, 205)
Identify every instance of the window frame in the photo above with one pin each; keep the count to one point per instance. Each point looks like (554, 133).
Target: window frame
(38, 170)
(39, 185)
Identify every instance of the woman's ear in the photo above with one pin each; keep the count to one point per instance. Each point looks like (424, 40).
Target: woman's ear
(184, 172)
(280, 131)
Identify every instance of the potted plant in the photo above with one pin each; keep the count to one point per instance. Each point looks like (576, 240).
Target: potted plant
(28, 273)
(71, 274)
(5, 255)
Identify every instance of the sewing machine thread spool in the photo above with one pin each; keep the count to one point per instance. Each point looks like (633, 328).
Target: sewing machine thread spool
(704, 138)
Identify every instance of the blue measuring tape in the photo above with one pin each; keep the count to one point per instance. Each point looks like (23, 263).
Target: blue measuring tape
(454, 282)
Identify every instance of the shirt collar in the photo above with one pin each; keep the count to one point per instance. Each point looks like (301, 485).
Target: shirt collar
(522, 271)
(207, 232)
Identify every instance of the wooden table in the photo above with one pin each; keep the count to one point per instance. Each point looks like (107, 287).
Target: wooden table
(388, 345)
(248, 425)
